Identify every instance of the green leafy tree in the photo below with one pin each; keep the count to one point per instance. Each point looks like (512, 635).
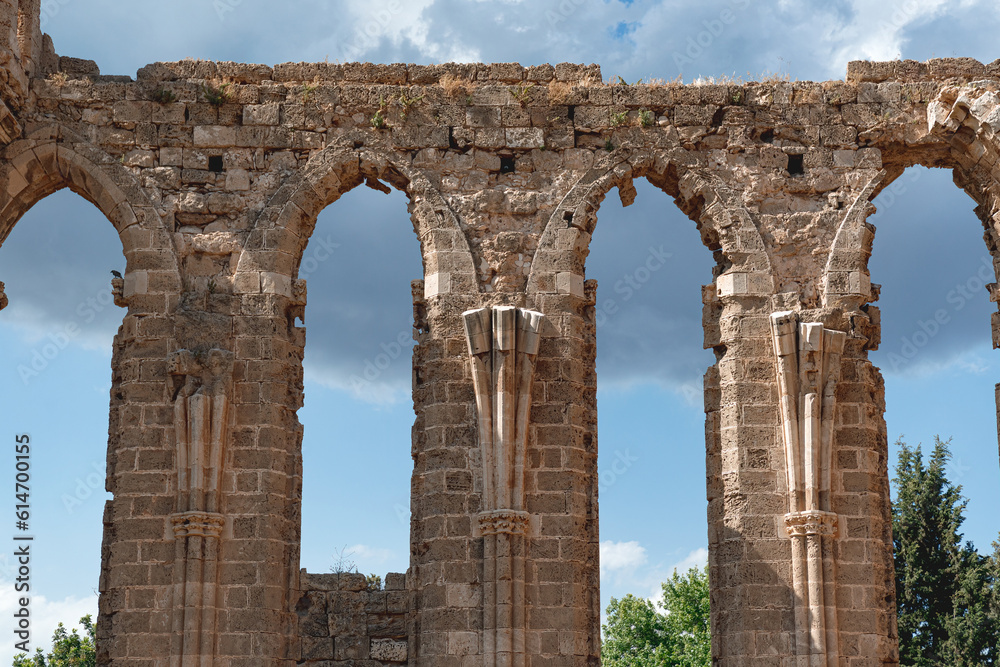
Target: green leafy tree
(942, 586)
(688, 621)
(637, 634)
(68, 649)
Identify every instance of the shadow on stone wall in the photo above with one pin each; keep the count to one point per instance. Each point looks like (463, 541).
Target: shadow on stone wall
(344, 621)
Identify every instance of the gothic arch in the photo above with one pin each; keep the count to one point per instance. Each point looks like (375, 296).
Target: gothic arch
(846, 281)
(727, 227)
(968, 120)
(55, 159)
(962, 127)
(279, 236)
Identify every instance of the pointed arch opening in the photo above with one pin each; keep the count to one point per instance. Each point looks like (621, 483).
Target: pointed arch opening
(358, 410)
(935, 352)
(738, 276)
(54, 162)
(650, 266)
(57, 334)
(284, 248)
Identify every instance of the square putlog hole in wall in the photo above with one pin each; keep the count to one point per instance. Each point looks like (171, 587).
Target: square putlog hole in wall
(506, 165)
(796, 165)
(215, 164)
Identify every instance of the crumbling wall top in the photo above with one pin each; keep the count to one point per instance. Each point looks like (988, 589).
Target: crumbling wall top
(937, 69)
(368, 73)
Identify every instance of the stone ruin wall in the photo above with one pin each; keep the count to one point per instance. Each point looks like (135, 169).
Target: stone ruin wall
(342, 620)
(214, 198)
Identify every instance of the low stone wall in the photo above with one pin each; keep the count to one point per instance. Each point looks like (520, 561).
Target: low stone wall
(344, 621)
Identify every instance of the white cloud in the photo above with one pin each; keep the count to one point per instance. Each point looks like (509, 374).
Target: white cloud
(367, 558)
(625, 568)
(617, 556)
(876, 29)
(975, 359)
(697, 558)
(973, 364)
(396, 22)
(377, 393)
(45, 616)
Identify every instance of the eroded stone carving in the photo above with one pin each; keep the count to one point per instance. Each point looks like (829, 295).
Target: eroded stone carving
(118, 292)
(503, 343)
(3, 297)
(200, 382)
(808, 358)
(510, 522)
(201, 405)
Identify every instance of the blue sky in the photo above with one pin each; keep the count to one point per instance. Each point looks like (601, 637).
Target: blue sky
(928, 253)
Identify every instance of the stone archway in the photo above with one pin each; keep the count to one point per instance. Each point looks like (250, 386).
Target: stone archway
(724, 223)
(280, 234)
(53, 159)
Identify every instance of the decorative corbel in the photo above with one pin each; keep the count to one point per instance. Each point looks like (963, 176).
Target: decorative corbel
(300, 295)
(503, 344)
(808, 365)
(118, 291)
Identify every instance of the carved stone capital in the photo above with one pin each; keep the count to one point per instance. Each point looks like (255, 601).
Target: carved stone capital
(507, 522)
(811, 522)
(197, 524)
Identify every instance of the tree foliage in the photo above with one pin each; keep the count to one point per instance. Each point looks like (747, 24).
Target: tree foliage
(947, 594)
(68, 649)
(945, 590)
(689, 619)
(638, 634)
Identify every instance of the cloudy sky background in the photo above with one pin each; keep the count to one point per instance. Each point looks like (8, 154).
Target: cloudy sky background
(927, 256)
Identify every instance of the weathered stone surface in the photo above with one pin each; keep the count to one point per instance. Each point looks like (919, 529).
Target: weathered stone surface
(213, 175)
(387, 650)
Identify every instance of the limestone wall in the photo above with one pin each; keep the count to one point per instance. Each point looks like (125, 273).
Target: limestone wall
(213, 175)
(344, 620)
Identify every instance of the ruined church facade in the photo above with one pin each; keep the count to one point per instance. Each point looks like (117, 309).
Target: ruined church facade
(213, 174)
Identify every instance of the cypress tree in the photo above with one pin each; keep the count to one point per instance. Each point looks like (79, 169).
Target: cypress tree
(942, 586)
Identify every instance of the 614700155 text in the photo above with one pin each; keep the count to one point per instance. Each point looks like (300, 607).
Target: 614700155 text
(22, 541)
